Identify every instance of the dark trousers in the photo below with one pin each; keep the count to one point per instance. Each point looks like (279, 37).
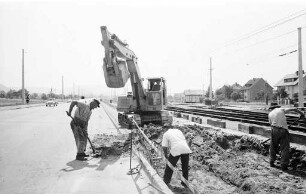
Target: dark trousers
(280, 142)
(173, 160)
(79, 130)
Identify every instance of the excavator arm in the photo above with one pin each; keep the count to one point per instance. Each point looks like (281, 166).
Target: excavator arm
(120, 63)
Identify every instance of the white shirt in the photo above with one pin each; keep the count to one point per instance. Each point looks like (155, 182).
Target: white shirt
(83, 111)
(277, 118)
(176, 141)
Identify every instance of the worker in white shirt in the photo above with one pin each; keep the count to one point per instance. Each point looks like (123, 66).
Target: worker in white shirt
(280, 134)
(175, 141)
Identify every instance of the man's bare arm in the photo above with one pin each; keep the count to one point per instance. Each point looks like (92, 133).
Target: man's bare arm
(73, 103)
(287, 110)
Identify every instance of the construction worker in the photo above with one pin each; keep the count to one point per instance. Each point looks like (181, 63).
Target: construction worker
(280, 134)
(175, 141)
(79, 125)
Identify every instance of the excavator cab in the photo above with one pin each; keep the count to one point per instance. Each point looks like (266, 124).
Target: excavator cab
(156, 94)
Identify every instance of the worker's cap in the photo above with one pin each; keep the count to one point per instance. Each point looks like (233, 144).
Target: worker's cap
(96, 101)
(273, 107)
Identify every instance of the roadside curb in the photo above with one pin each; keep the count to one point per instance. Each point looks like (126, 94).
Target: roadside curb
(155, 179)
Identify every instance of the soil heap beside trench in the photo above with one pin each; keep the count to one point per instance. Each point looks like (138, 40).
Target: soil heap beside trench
(220, 162)
(241, 161)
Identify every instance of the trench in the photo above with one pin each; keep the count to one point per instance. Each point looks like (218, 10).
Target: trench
(220, 162)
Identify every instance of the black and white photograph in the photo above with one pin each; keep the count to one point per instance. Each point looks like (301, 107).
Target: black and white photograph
(152, 97)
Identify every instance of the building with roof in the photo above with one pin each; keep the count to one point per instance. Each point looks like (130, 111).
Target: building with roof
(290, 83)
(257, 89)
(236, 87)
(193, 96)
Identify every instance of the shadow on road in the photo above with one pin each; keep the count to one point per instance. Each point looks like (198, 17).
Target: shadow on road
(109, 160)
(77, 165)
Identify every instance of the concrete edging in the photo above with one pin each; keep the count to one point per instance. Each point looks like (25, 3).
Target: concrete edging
(153, 176)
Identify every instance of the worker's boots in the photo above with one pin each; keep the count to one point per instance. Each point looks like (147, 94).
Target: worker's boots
(81, 156)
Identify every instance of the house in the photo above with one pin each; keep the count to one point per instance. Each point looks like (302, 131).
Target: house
(290, 83)
(257, 89)
(236, 87)
(193, 96)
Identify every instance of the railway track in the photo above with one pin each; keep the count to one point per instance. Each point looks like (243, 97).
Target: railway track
(243, 116)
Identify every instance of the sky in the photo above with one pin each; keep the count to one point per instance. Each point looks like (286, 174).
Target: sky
(174, 39)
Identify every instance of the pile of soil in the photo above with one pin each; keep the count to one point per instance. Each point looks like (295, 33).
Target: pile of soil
(105, 144)
(228, 163)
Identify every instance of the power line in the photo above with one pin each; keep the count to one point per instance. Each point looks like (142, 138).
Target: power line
(263, 41)
(266, 27)
(270, 26)
(272, 54)
(266, 40)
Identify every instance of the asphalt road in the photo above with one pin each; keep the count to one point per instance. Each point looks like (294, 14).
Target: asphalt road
(37, 155)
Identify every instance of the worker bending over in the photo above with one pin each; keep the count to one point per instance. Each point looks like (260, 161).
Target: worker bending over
(175, 141)
(79, 125)
(280, 134)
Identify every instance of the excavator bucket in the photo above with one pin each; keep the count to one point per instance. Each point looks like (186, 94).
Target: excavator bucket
(115, 69)
(116, 76)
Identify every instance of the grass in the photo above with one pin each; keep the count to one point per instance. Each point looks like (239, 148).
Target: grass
(12, 102)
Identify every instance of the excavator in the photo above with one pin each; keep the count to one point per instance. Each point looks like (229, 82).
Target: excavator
(144, 104)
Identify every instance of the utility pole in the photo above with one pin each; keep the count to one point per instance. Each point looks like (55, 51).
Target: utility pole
(73, 91)
(62, 86)
(210, 82)
(23, 90)
(301, 80)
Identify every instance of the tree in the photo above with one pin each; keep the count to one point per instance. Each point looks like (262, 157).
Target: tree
(2, 94)
(219, 94)
(44, 96)
(235, 96)
(219, 91)
(11, 94)
(228, 90)
(34, 95)
(281, 92)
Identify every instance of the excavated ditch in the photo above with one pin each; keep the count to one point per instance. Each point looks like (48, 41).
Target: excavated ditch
(220, 162)
(242, 162)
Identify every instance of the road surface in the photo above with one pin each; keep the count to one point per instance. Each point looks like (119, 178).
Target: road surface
(37, 155)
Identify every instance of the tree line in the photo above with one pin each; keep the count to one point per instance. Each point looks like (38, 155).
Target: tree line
(17, 94)
(228, 93)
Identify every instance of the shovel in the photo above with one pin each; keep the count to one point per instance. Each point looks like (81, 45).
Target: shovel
(93, 149)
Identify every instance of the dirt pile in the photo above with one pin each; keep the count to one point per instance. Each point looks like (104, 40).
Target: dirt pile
(240, 161)
(111, 144)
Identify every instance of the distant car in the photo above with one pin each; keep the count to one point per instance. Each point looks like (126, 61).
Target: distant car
(51, 102)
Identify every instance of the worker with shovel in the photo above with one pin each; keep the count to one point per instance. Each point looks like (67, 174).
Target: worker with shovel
(175, 141)
(280, 134)
(79, 125)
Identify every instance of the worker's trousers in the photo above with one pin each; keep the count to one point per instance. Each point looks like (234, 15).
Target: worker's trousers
(79, 130)
(280, 142)
(173, 160)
